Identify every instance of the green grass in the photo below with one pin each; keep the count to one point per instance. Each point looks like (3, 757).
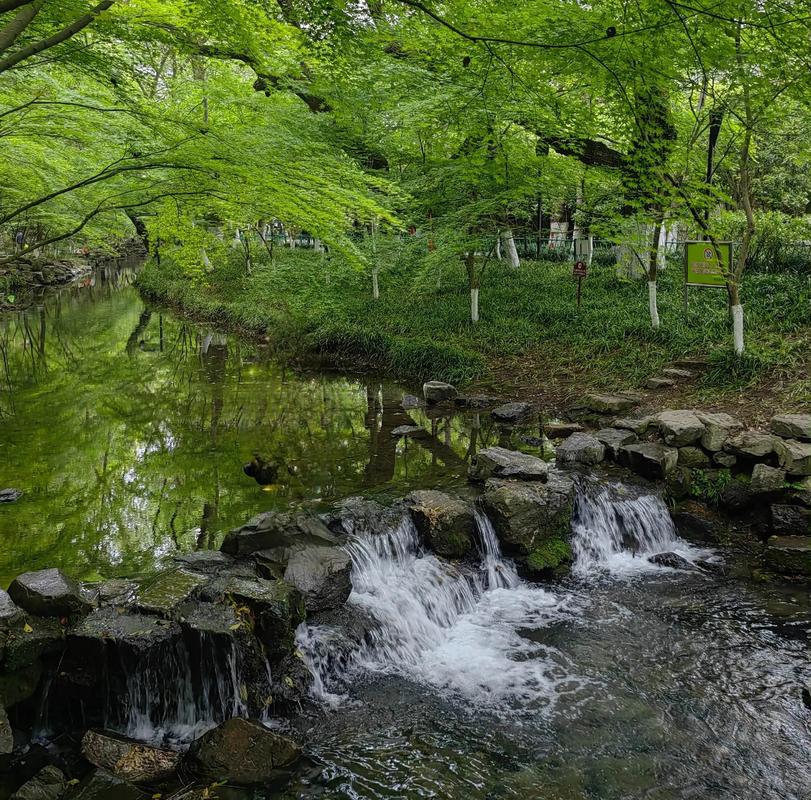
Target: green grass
(529, 320)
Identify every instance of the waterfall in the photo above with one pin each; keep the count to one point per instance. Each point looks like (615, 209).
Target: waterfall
(500, 574)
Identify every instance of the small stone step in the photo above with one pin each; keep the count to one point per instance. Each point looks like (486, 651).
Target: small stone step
(691, 363)
(660, 383)
(673, 372)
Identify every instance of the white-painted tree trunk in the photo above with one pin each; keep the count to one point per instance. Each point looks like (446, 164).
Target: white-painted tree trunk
(509, 246)
(204, 258)
(237, 242)
(652, 304)
(375, 284)
(474, 305)
(498, 245)
(737, 329)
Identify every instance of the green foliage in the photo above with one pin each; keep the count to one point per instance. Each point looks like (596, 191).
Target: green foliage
(708, 486)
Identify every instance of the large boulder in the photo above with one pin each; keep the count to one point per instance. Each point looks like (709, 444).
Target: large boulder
(48, 593)
(498, 462)
(680, 428)
(794, 456)
(792, 426)
(438, 392)
(789, 555)
(163, 593)
(766, 479)
(580, 448)
(512, 413)
(532, 520)
(322, 575)
(791, 520)
(241, 751)
(277, 530)
(649, 459)
(614, 438)
(718, 427)
(127, 759)
(697, 526)
(48, 784)
(446, 523)
(751, 445)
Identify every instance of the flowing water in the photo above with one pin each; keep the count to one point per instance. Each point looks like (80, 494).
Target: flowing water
(128, 428)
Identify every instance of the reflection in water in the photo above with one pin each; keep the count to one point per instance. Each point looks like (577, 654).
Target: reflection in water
(127, 429)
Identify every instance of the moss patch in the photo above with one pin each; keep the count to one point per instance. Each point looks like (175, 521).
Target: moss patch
(549, 555)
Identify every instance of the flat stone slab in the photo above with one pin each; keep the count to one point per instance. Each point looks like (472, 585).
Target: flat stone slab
(127, 759)
(164, 593)
(650, 459)
(561, 430)
(676, 372)
(498, 462)
(512, 413)
(789, 555)
(614, 438)
(792, 426)
(608, 403)
(659, 383)
(138, 631)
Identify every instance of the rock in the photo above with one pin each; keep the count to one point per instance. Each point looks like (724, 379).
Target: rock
(525, 516)
(679, 483)
(476, 402)
(512, 413)
(410, 431)
(650, 459)
(614, 438)
(791, 520)
(751, 445)
(48, 593)
(30, 640)
(608, 403)
(676, 372)
(9, 613)
(162, 594)
(680, 428)
(736, 497)
(275, 529)
(129, 760)
(241, 751)
(792, 426)
(693, 457)
(438, 392)
(322, 575)
(580, 448)
(659, 383)
(691, 363)
(209, 619)
(103, 785)
(410, 402)
(498, 462)
(137, 633)
(117, 592)
(561, 430)
(10, 495)
(48, 784)
(789, 555)
(722, 459)
(358, 516)
(697, 527)
(766, 479)
(204, 560)
(794, 456)
(446, 523)
(6, 735)
(638, 426)
(801, 493)
(717, 429)
(672, 560)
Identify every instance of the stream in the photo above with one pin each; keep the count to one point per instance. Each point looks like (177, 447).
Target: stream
(127, 429)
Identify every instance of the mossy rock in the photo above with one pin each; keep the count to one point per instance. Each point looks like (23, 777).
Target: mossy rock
(550, 555)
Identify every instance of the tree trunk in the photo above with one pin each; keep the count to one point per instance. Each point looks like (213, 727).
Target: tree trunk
(473, 280)
(653, 269)
(509, 246)
(474, 305)
(375, 285)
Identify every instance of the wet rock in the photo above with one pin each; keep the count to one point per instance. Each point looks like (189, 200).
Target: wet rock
(680, 428)
(512, 413)
(20, 685)
(608, 403)
(241, 751)
(210, 619)
(30, 640)
(48, 784)
(137, 632)
(476, 402)
(525, 515)
(794, 456)
(672, 560)
(789, 555)
(129, 760)
(445, 523)
(10, 495)
(638, 426)
(162, 594)
(6, 735)
(766, 479)
(438, 392)
(717, 429)
(204, 560)
(791, 520)
(561, 430)
(698, 528)
(358, 515)
(274, 529)
(725, 460)
(117, 592)
(580, 448)
(103, 785)
(498, 462)
(410, 432)
(751, 445)
(322, 575)
(650, 459)
(48, 593)
(693, 457)
(9, 613)
(614, 438)
(792, 426)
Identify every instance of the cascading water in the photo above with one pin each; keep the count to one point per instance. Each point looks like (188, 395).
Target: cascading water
(500, 573)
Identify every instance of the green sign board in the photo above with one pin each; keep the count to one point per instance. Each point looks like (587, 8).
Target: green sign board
(706, 265)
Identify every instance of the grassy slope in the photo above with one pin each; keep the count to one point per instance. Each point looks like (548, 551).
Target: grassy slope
(530, 333)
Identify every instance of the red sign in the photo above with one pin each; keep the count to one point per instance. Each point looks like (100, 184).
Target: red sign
(580, 270)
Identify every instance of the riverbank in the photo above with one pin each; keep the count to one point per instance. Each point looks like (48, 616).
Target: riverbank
(532, 341)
